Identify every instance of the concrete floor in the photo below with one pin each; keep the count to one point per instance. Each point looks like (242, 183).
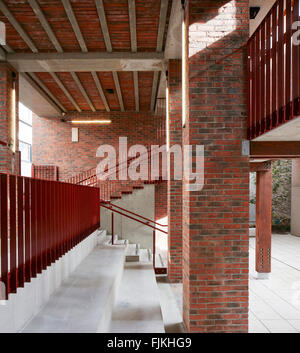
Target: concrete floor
(274, 303)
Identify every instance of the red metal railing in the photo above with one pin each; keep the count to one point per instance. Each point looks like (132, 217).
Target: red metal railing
(150, 221)
(140, 219)
(3, 143)
(40, 222)
(273, 70)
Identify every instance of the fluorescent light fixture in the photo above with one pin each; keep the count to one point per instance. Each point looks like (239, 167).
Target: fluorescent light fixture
(91, 121)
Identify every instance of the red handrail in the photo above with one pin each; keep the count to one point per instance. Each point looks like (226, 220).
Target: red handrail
(3, 143)
(158, 270)
(135, 214)
(103, 204)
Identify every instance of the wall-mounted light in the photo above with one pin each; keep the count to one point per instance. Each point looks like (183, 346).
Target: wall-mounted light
(104, 122)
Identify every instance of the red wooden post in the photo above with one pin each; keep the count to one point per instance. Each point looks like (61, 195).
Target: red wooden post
(263, 221)
(12, 235)
(112, 228)
(154, 247)
(4, 234)
(31, 225)
(20, 190)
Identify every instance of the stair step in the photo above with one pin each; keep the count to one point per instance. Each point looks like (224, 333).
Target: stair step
(133, 253)
(146, 255)
(121, 242)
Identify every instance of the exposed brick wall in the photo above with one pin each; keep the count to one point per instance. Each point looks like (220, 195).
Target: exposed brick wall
(46, 172)
(52, 138)
(175, 186)
(161, 200)
(9, 161)
(216, 219)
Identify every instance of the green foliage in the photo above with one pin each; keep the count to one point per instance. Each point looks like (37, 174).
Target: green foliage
(282, 184)
(282, 187)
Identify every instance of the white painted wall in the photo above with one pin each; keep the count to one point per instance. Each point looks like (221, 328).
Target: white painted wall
(141, 202)
(21, 307)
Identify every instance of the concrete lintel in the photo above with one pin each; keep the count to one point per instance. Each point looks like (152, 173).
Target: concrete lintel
(87, 62)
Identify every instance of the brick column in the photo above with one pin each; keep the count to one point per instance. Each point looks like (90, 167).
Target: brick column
(175, 186)
(263, 222)
(9, 160)
(216, 219)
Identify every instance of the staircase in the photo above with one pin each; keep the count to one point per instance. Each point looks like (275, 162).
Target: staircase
(105, 293)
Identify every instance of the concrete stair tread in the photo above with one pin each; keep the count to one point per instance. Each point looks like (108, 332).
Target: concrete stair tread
(85, 300)
(138, 307)
(133, 253)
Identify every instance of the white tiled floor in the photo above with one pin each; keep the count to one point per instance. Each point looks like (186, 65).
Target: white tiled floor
(275, 303)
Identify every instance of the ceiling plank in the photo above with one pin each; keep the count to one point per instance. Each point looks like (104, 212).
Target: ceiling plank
(162, 24)
(154, 90)
(136, 90)
(39, 86)
(83, 62)
(42, 92)
(49, 93)
(103, 23)
(39, 13)
(118, 88)
(100, 89)
(66, 92)
(83, 91)
(11, 18)
(132, 21)
(159, 47)
(74, 24)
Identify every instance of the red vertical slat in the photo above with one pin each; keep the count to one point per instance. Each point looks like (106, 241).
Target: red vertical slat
(280, 80)
(296, 63)
(262, 78)
(274, 120)
(27, 226)
(12, 234)
(288, 56)
(39, 228)
(60, 220)
(33, 228)
(43, 225)
(268, 72)
(253, 87)
(257, 79)
(4, 233)
(20, 203)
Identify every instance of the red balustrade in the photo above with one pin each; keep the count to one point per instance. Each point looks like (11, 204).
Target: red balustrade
(40, 222)
(273, 70)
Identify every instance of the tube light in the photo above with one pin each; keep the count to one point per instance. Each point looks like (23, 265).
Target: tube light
(91, 121)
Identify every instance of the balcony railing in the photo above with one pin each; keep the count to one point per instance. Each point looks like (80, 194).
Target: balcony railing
(273, 70)
(40, 222)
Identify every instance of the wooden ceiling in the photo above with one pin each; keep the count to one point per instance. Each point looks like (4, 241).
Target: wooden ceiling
(89, 26)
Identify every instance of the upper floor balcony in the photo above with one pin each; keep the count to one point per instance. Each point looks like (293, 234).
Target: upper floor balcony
(273, 71)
